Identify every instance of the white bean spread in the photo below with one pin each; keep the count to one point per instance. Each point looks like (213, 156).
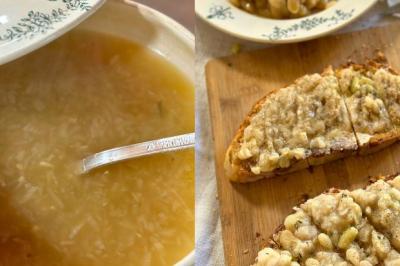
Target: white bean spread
(388, 85)
(363, 97)
(361, 227)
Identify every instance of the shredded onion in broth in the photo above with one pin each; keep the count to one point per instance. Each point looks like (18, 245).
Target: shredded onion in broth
(81, 94)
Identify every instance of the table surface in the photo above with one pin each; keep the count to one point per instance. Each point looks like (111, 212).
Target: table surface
(180, 10)
(211, 43)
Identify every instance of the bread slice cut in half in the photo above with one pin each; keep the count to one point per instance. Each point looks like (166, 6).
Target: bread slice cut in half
(324, 120)
(366, 100)
(319, 118)
(339, 227)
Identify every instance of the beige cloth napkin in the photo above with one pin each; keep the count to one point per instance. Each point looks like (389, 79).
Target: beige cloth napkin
(393, 2)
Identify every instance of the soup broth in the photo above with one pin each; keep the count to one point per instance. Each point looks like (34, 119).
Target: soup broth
(84, 93)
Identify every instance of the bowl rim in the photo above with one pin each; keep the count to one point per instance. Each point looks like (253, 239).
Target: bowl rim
(259, 39)
(178, 29)
(188, 39)
(49, 37)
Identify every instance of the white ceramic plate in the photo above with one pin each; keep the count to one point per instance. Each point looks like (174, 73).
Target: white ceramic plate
(152, 29)
(226, 17)
(26, 25)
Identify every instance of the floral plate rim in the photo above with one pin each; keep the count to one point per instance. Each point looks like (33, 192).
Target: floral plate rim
(31, 27)
(229, 19)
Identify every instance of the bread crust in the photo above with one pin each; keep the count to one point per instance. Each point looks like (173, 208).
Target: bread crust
(379, 142)
(317, 158)
(239, 170)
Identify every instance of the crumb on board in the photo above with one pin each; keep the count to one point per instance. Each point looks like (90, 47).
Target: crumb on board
(235, 49)
(245, 251)
(310, 169)
(304, 197)
(160, 108)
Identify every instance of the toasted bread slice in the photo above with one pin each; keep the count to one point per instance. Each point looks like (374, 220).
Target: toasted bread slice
(272, 140)
(319, 118)
(290, 129)
(332, 229)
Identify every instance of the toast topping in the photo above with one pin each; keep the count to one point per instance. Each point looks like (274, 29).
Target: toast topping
(300, 235)
(342, 228)
(269, 257)
(308, 116)
(367, 110)
(324, 118)
(253, 138)
(334, 213)
(340, 217)
(304, 242)
(388, 86)
(281, 124)
(381, 204)
(271, 140)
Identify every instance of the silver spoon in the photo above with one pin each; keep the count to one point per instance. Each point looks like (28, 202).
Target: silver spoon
(106, 157)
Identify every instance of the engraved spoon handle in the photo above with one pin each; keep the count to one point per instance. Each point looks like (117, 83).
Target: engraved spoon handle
(138, 150)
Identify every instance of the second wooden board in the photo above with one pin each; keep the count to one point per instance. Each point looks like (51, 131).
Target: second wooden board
(251, 212)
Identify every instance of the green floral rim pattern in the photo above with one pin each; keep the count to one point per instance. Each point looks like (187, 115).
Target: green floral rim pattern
(220, 12)
(308, 24)
(38, 22)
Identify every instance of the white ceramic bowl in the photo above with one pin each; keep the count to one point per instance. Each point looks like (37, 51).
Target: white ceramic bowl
(153, 30)
(226, 17)
(26, 25)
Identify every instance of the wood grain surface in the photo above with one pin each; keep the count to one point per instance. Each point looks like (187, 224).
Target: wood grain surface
(251, 212)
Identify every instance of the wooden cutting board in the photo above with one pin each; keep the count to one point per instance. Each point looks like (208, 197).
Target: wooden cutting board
(251, 212)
